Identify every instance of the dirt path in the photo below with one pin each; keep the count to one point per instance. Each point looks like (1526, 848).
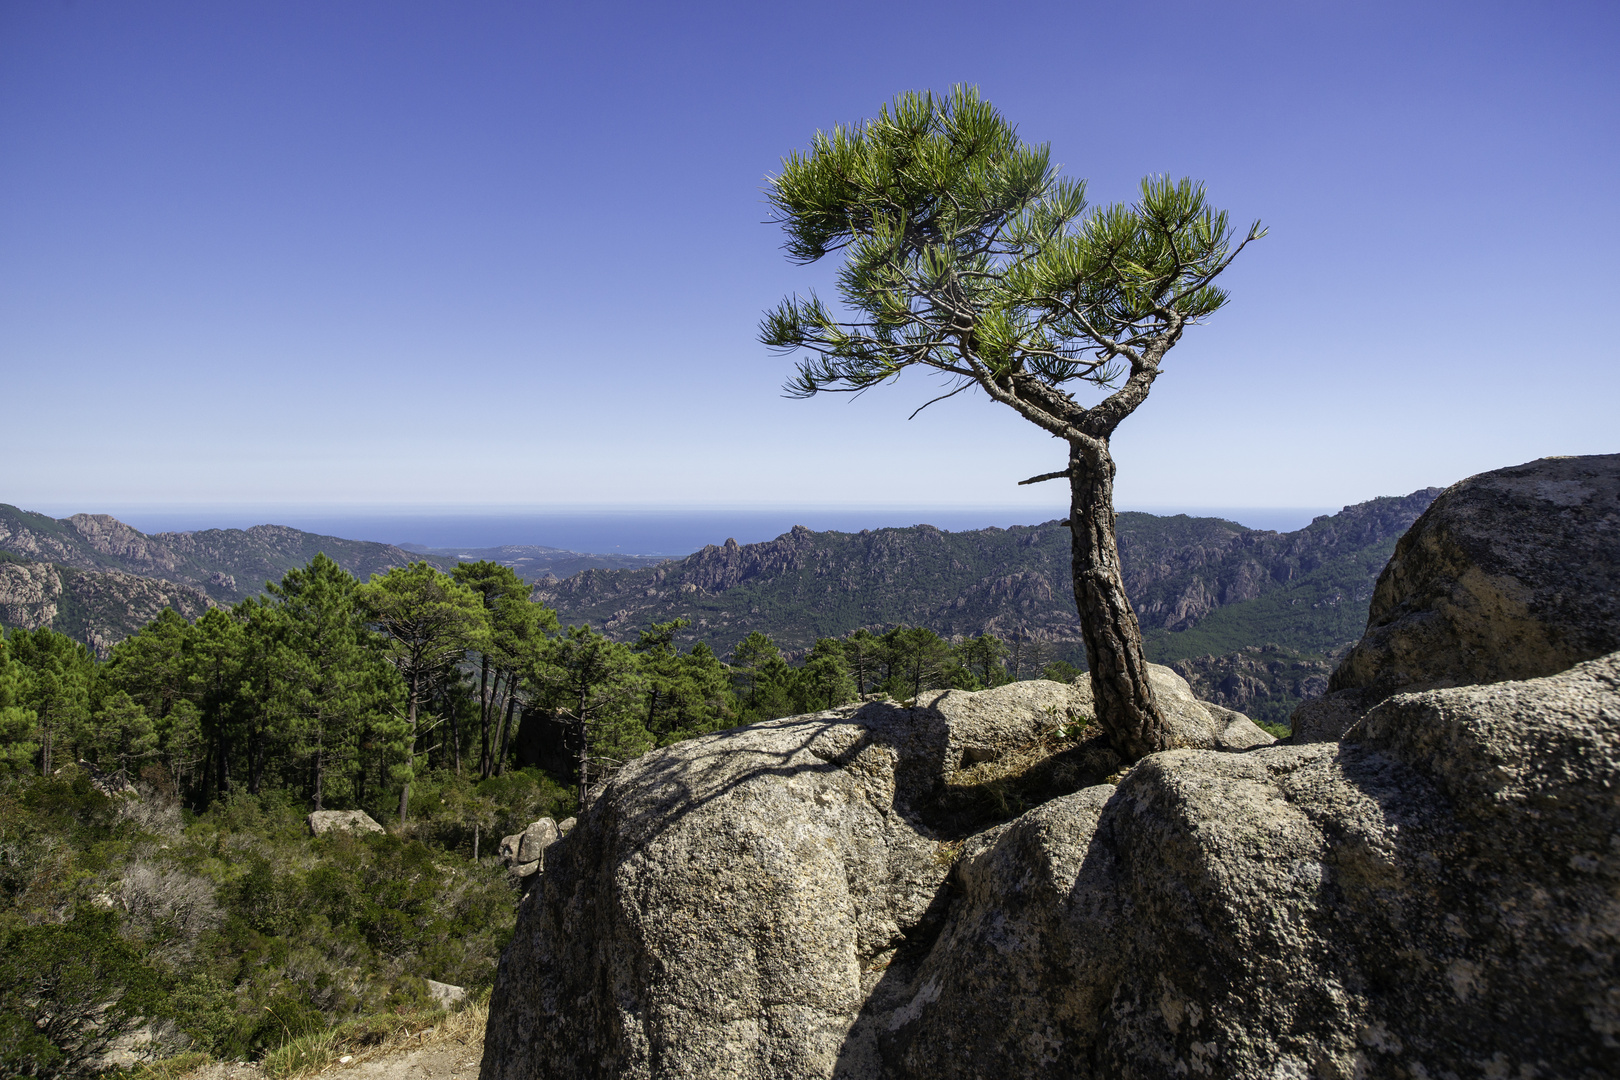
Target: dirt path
(446, 1060)
(452, 1061)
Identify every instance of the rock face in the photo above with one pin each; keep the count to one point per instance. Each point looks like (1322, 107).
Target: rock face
(775, 902)
(325, 821)
(1508, 575)
(524, 852)
(729, 903)
(99, 608)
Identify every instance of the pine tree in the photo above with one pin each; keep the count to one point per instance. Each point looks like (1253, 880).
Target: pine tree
(968, 258)
(593, 684)
(18, 725)
(430, 620)
(337, 679)
(56, 685)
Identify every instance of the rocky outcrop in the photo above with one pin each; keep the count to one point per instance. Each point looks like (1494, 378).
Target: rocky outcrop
(1510, 574)
(226, 564)
(524, 852)
(776, 902)
(729, 903)
(1384, 907)
(445, 995)
(99, 608)
(325, 821)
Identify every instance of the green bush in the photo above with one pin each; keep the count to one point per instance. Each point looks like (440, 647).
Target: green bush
(239, 927)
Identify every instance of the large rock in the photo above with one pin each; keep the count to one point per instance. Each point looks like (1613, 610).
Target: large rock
(524, 852)
(445, 995)
(1433, 897)
(727, 906)
(1510, 574)
(1383, 907)
(1516, 574)
(325, 821)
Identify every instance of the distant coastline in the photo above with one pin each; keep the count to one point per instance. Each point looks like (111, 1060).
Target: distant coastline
(630, 530)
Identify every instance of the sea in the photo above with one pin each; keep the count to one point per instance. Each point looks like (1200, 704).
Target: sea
(635, 530)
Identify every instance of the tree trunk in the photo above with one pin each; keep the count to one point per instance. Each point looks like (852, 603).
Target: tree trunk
(224, 764)
(320, 767)
(483, 717)
(362, 744)
(506, 725)
(256, 760)
(455, 733)
(410, 752)
(584, 745)
(1119, 676)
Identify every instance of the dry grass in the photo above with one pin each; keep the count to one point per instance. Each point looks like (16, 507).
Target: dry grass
(359, 1040)
(174, 1068)
(374, 1038)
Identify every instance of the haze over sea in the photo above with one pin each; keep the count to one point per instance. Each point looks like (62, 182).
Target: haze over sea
(628, 530)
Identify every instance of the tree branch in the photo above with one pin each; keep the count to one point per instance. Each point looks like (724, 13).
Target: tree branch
(941, 397)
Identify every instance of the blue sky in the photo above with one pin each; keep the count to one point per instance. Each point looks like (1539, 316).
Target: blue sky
(513, 256)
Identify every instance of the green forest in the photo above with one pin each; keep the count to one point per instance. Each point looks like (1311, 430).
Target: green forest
(156, 870)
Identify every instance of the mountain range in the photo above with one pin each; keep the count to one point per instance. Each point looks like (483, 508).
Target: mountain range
(1253, 618)
(1199, 585)
(98, 580)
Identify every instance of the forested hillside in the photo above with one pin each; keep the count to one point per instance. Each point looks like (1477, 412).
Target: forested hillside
(1199, 585)
(534, 562)
(97, 580)
(153, 859)
(226, 564)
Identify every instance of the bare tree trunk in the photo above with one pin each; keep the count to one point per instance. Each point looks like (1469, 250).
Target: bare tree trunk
(497, 707)
(506, 725)
(483, 717)
(224, 764)
(1119, 676)
(584, 742)
(455, 733)
(320, 766)
(410, 753)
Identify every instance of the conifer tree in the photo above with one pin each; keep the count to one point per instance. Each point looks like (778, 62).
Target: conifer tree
(430, 620)
(863, 653)
(56, 688)
(685, 692)
(593, 683)
(336, 678)
(823, 680)
(122, 736)
(917, 659)
(18, 742)
(214, 656)
(967, 257)
(518, 628)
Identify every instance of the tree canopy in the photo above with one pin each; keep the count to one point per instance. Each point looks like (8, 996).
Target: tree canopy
(965, 255)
